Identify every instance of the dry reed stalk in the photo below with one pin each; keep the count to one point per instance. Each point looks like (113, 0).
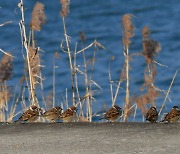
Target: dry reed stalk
(64, 12)
(110, 79)
(66, 99)
(128, 30)
(6, 53)
(25, 44)
(121, 79)
(56, 55)
(89, 87)
(83, 39)
(91, 82)
(169, 89)
(150, 49)
(86, 80)
(38, 19)
(35, 66)
(5, 23)
(76, 70)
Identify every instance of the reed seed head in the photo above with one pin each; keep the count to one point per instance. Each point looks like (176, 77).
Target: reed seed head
(150, 47)
(5, 68)
(65, 7)
(128, 29)
(146, 32)
(38, 17)
(82, 36)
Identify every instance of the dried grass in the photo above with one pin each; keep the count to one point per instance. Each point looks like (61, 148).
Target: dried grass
(150, 49)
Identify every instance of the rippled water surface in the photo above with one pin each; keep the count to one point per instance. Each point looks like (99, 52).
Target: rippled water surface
(100, 20)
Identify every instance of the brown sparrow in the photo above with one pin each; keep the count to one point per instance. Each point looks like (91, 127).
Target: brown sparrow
(152, 115)
(30, 115)
(172, 116)
(113, 113)
(69, 115)
(52, 114)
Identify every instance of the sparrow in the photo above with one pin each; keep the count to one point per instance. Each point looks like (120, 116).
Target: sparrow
(172, 116)
(30, 115)
(69, 115)
(113, 113)
(52, 114)
(152, 115)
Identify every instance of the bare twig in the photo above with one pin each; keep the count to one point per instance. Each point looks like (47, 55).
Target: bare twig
(6, 53)
(8, 22)
(82, 50)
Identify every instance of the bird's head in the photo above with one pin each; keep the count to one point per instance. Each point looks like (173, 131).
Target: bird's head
(117, 108)
(153, 108)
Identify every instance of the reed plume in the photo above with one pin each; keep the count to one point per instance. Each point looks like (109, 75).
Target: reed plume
(128, 30)
(38, 17)
(65, 8)
(5, 68)
(64, 12)
(150, 47)
(128, 33)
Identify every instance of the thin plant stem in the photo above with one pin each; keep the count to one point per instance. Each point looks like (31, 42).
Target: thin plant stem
(54, 80)
(86, 78)
(70, 59)
(117, 91)
(66, 99)
(127, 83)
(22, 23)
(166, 97)
(110, 83)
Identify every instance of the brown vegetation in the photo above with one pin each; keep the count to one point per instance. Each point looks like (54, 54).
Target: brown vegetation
(33, 76)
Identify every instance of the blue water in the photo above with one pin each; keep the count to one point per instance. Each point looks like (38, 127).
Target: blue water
(100, 20)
